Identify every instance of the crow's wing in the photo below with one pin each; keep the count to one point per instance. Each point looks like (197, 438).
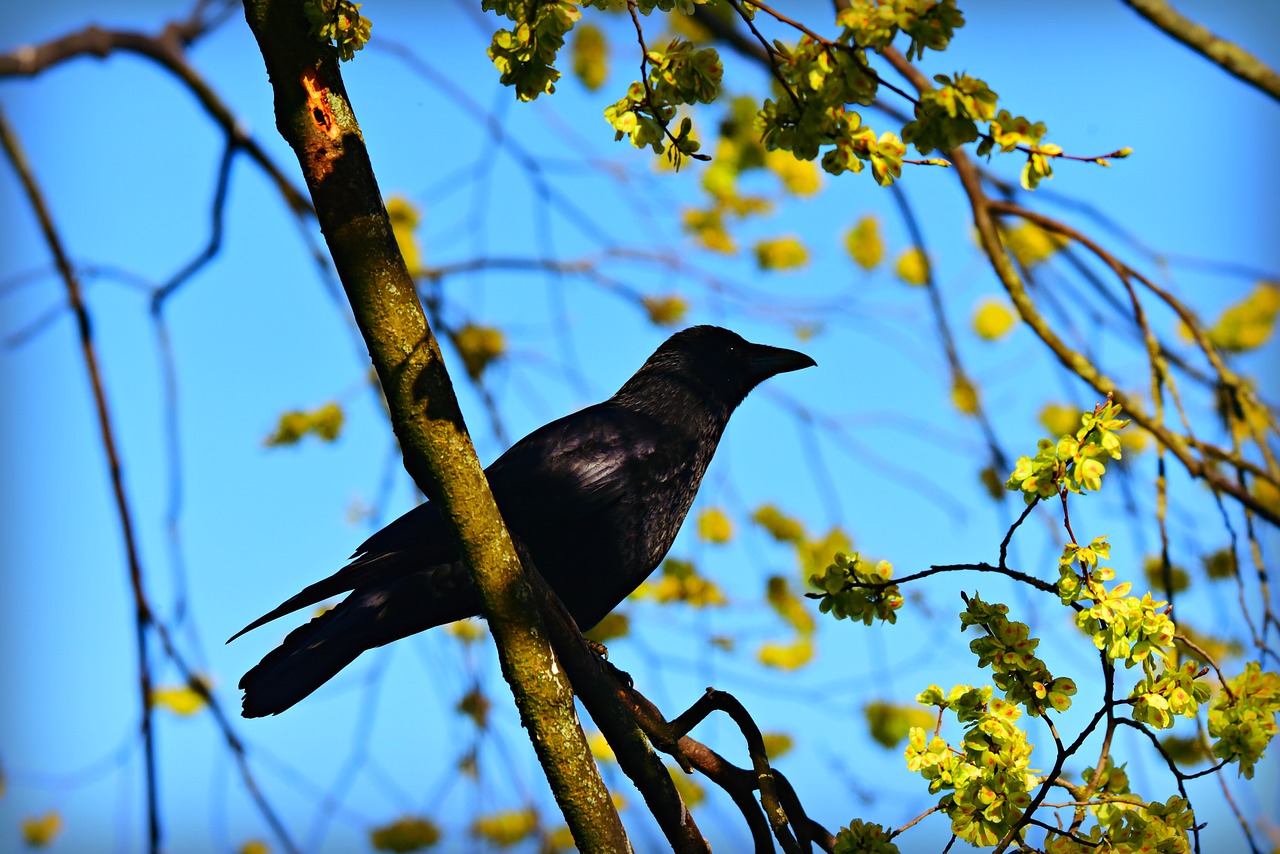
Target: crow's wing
(562, 472)
(573, 469)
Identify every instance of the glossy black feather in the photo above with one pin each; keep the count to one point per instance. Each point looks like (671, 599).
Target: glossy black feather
(597, 497)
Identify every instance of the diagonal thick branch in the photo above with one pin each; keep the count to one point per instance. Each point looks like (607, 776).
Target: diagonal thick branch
(1228, 55)
(634, 728)
(315, 116)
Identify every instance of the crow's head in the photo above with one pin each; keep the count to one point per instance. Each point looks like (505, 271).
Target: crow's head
(712, 364)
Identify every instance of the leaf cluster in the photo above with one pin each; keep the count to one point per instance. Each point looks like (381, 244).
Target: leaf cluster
(852, 589)
(1075, 462)
(338, 22)
(1009, 650)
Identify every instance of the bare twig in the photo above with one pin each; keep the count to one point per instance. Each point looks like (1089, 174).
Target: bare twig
(142, 608)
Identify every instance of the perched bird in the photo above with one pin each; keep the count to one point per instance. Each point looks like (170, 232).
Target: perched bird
(597, 497)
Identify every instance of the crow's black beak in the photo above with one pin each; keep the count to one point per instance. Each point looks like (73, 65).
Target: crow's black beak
(767, 361)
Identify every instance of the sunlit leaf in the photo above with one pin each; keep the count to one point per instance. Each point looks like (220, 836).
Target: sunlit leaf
(1221, 564)
(964, 394)
(405, 218)
(505, 828)
(40, 831)
(993, 319)
(1153, 568)
(679, 581)
(782, 253)
(666, 310)
(1030, 244)
(600, 748)
(1059, 419)
(691, 792)
(614, 625)
(560, 840)
(864, 243)
(1249, 323)
(800, 177)
(777, 743)
(889, 723)
(467, 631)
(590, 56)
(783, 528)
(913, 267)
(475, 704)
(789, 606)
(786, 656)
(714, 526)
(479, 346)
(324, 423)
(182, 700)
(410, 833)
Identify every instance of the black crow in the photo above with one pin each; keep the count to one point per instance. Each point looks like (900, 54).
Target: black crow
(597, 497)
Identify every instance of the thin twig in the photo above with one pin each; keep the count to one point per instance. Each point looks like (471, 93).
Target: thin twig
(142, 609)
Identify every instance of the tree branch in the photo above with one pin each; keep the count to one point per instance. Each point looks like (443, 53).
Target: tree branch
(1232, 58)
(141, 607)
(314, 114)
(983, 209)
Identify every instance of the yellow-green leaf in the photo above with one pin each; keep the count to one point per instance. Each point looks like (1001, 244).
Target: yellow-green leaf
(890, 723)
(783, 528)
(1153, 568)
(1221, 564)
(405, 218)
(993, 319)
(865, 245)
(714, 526)
(479, 346)
(689, 789)
(789, 606)
(1030, 244)
(964, 394)
(708, 228)
(410, 833)
(992, 482)
(590, 56)
(475, 704)
(665, 310)
(787, 656)
(182, 700)
(600, 748)
(777, 743)
(913, 267)
(614, 625)
(505, 828)
(1249, 323)
(800, 177)
(325, 423)
(1059, 419)
(467, 631)
(561, 839)
(781, 253)
(680, 582)
(40, 831)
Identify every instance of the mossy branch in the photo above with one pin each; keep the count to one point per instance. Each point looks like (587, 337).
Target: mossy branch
(315, 116)
(1232, 58)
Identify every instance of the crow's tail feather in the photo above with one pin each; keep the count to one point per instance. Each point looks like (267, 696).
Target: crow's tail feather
(313, 654)
(309, 656)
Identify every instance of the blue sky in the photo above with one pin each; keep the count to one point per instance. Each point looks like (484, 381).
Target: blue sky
(128, 163)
